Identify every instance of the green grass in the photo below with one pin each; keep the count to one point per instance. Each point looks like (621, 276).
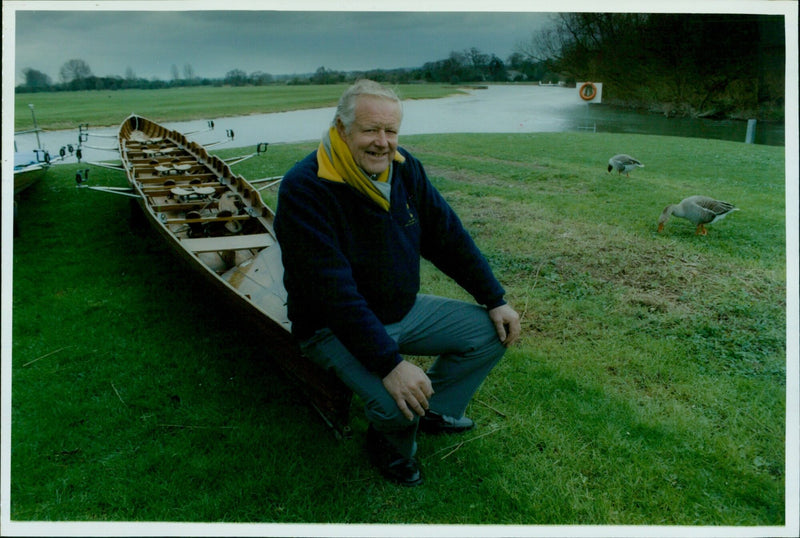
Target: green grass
(67, 110)
(648, 387)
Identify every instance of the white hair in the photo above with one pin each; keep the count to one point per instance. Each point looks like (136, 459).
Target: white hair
(346, 109)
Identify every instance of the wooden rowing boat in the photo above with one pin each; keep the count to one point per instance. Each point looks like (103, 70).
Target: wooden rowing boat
(218, 222)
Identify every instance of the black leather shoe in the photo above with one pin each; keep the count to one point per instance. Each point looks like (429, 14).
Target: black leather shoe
(390, 463)
(433, 422)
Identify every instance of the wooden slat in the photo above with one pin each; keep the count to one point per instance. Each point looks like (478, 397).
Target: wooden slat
(166, 220)
(232, 242)
(161, 190)
(177, 207)
(147, 179)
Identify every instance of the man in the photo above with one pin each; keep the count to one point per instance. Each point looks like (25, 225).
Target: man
(353, 219)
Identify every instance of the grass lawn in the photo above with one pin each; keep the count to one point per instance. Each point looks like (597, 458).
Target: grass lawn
(648, 387)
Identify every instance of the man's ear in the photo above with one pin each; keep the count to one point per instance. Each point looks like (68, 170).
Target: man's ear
(340, 128)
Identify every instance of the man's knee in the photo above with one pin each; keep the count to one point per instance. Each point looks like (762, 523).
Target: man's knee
(487, 342)
(386, 416)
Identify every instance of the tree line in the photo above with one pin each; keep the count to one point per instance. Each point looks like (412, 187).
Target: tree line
(676, 64)
(460, 67)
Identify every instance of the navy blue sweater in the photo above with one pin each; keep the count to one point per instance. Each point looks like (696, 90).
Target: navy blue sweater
(352, 267)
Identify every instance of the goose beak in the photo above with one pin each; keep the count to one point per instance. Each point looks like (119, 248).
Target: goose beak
(661, 227)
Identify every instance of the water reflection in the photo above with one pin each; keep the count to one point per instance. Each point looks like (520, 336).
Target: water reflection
(613, 120)
(496, 109)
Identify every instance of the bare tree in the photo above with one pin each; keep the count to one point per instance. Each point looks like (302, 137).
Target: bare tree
(477, 58)
(236, 77)
(546, 44)
(74, 69)
(259, 78)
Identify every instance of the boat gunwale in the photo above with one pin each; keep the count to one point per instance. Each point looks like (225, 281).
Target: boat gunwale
(223, 179)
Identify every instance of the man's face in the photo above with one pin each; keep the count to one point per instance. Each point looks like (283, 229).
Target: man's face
(372, 138)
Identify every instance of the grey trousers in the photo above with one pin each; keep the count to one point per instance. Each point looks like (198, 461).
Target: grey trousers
(459, 334)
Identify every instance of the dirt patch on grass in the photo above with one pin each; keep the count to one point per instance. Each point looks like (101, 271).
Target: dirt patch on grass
(510, 175)
(532, 242)
(463, 175)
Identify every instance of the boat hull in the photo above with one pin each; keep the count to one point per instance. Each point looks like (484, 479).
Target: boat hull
(218, 224)
(29, 167)
(28, 176)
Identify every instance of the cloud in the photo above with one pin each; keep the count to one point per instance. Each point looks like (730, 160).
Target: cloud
(276, 42)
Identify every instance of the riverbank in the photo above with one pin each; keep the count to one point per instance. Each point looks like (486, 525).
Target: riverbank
(509, 108)
(66, 110)
(671, 109)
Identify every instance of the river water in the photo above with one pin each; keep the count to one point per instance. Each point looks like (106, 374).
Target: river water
(496, 109)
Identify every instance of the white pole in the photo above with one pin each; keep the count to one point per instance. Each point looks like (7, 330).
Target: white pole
(35, 127)
(751, 132)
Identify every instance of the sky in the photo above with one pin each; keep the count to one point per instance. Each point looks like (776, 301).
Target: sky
(277, 42)
(282, 37)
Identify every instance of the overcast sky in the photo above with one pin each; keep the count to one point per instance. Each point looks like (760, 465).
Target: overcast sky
(284, 36)
(275, 42)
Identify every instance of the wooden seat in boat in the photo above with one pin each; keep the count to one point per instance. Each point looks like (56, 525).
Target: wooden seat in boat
(237, 242)
(195, 193)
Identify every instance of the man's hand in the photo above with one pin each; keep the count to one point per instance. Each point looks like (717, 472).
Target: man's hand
(506, 322)
(410, 388)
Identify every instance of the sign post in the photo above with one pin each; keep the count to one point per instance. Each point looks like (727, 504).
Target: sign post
(589, 92)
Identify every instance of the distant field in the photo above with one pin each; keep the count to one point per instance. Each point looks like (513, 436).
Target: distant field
(65, 110)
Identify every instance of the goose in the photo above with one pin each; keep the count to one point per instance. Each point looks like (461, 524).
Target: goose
(700, 210)
(623, 163)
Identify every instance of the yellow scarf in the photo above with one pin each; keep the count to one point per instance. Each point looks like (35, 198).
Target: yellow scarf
(336, 163)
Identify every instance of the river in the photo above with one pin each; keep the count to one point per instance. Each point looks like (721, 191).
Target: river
(496, 109)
